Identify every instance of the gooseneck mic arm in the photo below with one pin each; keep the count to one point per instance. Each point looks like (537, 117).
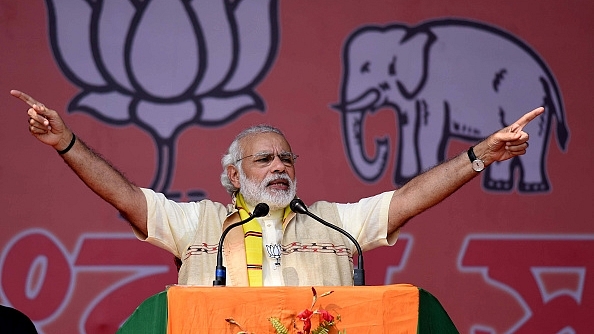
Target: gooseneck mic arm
(260, 210)
(358, 273)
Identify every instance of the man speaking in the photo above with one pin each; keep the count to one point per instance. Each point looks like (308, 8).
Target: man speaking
(281, 247)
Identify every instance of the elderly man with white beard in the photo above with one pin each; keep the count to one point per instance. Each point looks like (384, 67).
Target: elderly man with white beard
(282, 248)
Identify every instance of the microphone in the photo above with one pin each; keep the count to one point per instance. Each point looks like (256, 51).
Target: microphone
(358, 273)
(260, 210)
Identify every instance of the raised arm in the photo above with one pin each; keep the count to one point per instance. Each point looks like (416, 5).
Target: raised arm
(48, 127)
(433, 186)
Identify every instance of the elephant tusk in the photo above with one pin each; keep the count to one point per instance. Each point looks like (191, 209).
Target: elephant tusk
(369, 99)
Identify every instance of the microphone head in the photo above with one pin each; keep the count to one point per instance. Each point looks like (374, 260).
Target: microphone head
(298, 206)
(261, 210)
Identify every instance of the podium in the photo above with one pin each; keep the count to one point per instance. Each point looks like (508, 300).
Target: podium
(399, 308)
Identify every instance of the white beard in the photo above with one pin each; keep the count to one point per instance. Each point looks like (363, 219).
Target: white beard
(254, 193)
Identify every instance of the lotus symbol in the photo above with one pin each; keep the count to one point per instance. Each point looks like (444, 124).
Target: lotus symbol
(164, 65)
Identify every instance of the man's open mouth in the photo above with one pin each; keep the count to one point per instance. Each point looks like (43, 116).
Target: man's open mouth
(278, 183)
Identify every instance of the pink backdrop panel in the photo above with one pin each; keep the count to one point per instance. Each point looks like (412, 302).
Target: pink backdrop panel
(499, 261)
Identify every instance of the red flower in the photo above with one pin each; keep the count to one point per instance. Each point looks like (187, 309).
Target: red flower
(326, 315)
(306, 325)
(305, 314)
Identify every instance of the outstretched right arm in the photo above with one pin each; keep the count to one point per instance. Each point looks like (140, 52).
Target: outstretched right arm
(48, 127)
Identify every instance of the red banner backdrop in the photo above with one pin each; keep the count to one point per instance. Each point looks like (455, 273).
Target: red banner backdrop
(160, 89)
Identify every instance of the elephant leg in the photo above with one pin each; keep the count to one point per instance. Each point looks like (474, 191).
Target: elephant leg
(499, 176)
(533, 176)
(432, 134)
(421, 144)
(532, 172)
(407, 159)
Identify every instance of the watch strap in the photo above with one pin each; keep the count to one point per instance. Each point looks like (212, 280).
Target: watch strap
(471, 154)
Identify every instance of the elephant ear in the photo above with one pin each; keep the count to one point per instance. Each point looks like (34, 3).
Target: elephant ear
(413, 61)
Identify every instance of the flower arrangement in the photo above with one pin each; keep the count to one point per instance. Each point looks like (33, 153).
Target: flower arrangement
(326, 320)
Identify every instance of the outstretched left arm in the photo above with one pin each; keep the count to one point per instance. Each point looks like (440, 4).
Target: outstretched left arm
(433, 186)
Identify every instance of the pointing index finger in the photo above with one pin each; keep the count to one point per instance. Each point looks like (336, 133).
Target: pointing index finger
(527, 118)
(24, 97)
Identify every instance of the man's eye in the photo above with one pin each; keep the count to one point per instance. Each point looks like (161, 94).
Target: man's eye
(265, 158)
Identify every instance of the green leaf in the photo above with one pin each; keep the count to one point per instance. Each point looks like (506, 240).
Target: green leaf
(278, 326)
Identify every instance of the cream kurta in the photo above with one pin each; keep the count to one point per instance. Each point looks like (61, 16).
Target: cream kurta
(313, 254)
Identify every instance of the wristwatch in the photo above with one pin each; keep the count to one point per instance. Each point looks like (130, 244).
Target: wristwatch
(477, 164)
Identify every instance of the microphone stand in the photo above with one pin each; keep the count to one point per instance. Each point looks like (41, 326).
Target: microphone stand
(298, 206)
(220, 271)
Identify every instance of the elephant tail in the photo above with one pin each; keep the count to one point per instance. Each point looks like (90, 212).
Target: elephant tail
(554, 101)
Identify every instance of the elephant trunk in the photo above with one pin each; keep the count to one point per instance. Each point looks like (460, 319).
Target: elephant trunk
(369, 169)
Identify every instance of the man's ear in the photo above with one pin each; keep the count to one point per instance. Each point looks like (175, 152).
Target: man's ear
(233, 175)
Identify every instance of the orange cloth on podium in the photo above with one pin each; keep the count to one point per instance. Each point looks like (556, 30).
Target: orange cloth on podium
(366, 309)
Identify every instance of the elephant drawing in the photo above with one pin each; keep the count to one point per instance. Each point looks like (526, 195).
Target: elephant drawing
(447, 79)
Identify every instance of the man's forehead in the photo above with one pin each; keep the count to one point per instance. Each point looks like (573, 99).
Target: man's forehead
(264, 142)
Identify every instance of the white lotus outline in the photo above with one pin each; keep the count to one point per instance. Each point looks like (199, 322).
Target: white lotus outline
(165, 65)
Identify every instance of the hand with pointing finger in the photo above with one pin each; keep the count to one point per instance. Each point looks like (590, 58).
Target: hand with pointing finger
(508, 142)
(97, 173)
(45, 124)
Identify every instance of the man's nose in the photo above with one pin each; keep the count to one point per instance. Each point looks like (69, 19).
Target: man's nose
(277, 165)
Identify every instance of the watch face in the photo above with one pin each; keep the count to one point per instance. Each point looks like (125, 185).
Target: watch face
(478, 165)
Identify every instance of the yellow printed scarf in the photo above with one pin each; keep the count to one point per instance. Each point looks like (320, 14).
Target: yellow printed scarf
(252, 232)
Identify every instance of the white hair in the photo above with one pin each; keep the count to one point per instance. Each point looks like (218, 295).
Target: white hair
(234, 152)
